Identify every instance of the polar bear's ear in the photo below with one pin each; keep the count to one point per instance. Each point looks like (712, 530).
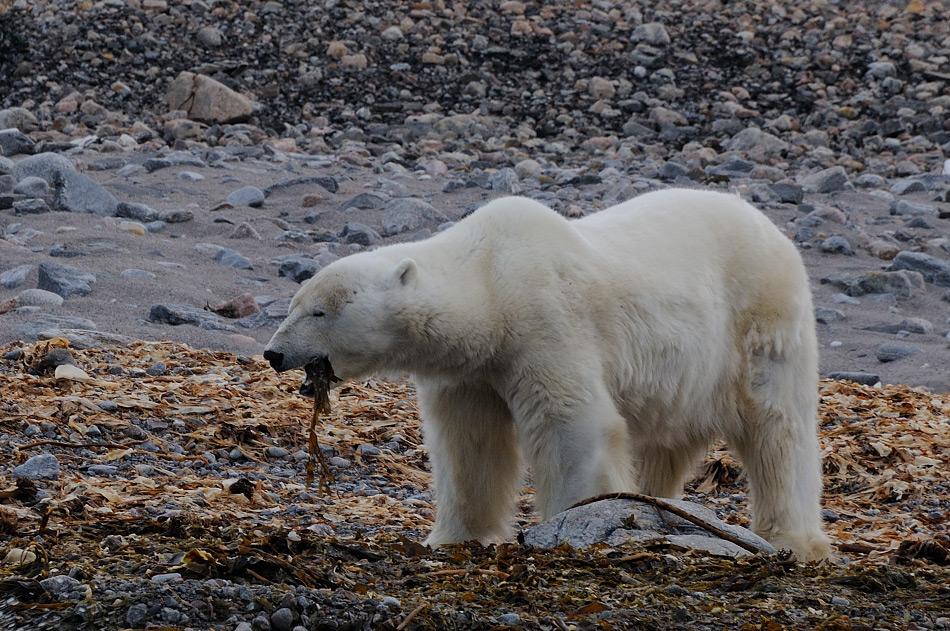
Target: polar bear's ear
(405, 273)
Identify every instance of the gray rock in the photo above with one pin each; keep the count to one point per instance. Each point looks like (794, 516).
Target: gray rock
(131, 169)
(825, 315)
(528, 169)
(136, 274)
(32, 186)
(408, 214)
(36, 206)
(904, 187)
(136, 616)
(13, 142)
(907, 208)
(364, 201)
(171, 577)
(189, 176)
(65, 280)
(733, 167)
(48, 166)
(870, 180)
(933, 269)
(652, 33)
(277, 452)
(173, 159)
(245, 230)
(865, 378)
(64, 587)
(837, 245)
(156, 370)
(788, 193)
(209, 37)
(207, 100)
(34, 328)
(15, 276)
(890, 352)
(176, 315)
(881, 69)
(233, 258)
(618, 521)
(282, 619)
(361, 234)
(298, 267)
(18, 118)
(78, 193)
(178, 215)
(85, 338)
(672, 170)
(247, 196)
(505, 181)
(38, 298)
(825, 181)
(326, 182)
(103, 469)
(7, 184)
(902, 284)
(136, 211)
(41, 467)
(509, 619)
(910, 325)
(754, 140)
(7, 166)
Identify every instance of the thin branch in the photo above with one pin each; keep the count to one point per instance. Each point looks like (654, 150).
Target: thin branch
(412, 614)
(679, 512)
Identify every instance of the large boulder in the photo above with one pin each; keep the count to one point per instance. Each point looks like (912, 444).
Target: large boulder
(616, 522)
(207, 100)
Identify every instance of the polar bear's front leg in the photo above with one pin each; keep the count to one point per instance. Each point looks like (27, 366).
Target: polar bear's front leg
(475, 462)
(577, 445)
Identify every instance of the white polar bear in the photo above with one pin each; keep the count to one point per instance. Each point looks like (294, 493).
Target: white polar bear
(608, 352)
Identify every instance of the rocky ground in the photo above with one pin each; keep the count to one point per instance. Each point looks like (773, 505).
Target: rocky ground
(159, 486)
(173, 170)
(355, 124)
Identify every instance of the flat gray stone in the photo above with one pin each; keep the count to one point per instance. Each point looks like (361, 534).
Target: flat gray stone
(247, 196)
(15, 276)
(933, 269)
(409, 214)
(41, 467)
(18, 118)
(865, 378)
(65, 280)
(825, 181)
(136, 211)
(38, 298)
(907, 208)
(14, 142)
(620, 521)
(826, 315)
(889, 352)
(47, 166)
(176, 315)
(326, 182)
(34, 206)
(902, 284)
(79, 193)
(86, 338)
(32, 186)
(361, 234)
(32, 329)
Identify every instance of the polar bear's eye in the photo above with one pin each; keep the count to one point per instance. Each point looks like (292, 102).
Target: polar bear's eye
(318, 314)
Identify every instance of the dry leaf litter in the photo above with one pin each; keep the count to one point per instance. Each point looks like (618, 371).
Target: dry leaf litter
(159, 486)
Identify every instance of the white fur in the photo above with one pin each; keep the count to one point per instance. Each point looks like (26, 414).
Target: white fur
(608, 352)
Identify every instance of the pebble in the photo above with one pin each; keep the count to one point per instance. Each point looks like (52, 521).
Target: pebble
(865, 378)
(837, 245)
(136, 274)
(933, 269)
(890, 352)
(408, 214)
(282, 619)
(277, 452)
(32, 186)
(828, 180)
(509, 619)
(358, 233)
(15, 276)
(38, 298)
(65, 280)
(132, 227)
(13, 142)
(171, 577)
(207, 100)
(30, 207)
(247, 196)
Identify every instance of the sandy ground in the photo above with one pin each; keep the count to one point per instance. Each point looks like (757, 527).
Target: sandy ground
(187, 276)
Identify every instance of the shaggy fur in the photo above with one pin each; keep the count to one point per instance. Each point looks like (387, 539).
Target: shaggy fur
(606, 352)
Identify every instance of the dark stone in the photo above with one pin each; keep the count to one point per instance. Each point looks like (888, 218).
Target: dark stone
(866, 378)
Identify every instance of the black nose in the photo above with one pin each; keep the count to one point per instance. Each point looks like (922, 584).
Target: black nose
(276, 359)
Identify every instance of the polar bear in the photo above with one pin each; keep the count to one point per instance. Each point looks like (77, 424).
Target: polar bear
(607, 352)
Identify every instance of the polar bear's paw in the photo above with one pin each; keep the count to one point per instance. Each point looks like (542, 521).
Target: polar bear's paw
(806, 547)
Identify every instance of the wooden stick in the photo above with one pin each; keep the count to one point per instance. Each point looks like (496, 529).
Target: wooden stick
(57, 443)
(679, 512)
(412, 614)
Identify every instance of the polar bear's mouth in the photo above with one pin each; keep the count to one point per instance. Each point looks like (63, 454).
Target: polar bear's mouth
(319, 376)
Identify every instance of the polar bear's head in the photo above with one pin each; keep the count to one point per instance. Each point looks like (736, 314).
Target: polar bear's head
(353, 312)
